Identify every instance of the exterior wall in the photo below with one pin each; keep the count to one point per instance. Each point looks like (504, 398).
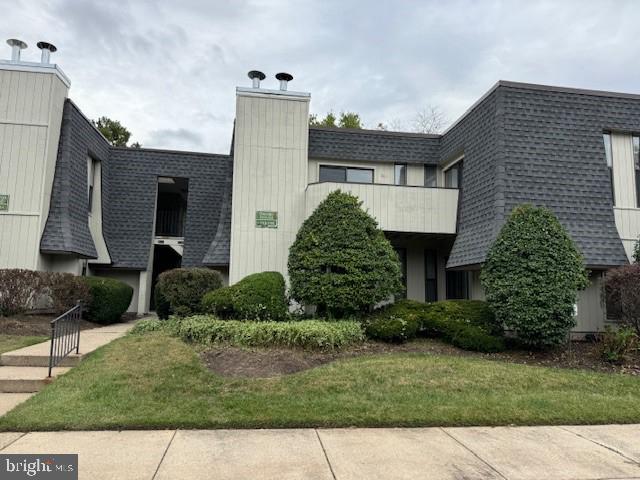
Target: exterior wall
(270, 174)
(30, 116)
(95, 215)
(397, 208)
(626, 209)
(591, 308)
(476, 291)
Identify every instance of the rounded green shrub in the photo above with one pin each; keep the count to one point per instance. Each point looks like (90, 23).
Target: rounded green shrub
(179, 291)
(532, 276)
(260, 296)
(110, 298)
(341, 261)
(392, 328)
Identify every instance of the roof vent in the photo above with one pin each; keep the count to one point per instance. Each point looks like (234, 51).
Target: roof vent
(47, 50)
(284, 79)
(256, 76)
(16, 45)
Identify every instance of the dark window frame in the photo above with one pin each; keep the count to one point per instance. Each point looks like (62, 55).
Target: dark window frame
(457, 284)
(345, 169)
(608, 155)
(636, 162)
(433, 183)
(430, 281)
(458, 166)
(402, 181)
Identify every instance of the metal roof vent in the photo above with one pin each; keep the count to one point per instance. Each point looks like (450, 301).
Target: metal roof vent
(256, 76)
(47, 50)
(284, 79)
(16, 45)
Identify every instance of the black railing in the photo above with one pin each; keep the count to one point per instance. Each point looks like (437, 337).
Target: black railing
(170, 223)
(65, 335)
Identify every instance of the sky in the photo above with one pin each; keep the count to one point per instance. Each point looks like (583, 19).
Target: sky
(167, 70)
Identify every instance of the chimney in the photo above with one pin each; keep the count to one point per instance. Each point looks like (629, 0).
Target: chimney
(284, 79)
(47, 50)
(16, 45)
(256, 76)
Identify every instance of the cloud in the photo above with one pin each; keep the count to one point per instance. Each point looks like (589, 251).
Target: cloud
(147, 63)
(179, 138)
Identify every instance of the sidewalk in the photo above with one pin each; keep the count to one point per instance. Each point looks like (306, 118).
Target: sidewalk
(536, 453)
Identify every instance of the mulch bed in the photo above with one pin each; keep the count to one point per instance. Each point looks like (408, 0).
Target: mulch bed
(263, 363)
(34, 325)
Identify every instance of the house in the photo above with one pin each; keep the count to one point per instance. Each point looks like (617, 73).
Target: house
(71, 202)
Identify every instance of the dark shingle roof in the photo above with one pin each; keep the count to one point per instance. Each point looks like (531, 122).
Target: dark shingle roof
(128, 227)
(541, 145)
(372, 145)
(67, 226)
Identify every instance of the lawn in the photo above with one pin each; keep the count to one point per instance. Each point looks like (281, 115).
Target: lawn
(13, 342)
(157, 381)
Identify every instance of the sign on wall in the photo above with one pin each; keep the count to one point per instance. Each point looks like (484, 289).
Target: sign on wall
(266, 219)
(4, 203)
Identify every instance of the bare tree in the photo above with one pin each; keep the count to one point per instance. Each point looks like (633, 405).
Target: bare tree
(430, 119)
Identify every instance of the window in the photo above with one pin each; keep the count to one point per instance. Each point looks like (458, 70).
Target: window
(330, 173)
(93, 172)
(401, 174)
(453, 176)
(402, 255)
(457, 285)
(636, 162)
(609, 157)
(430, 276)
(430, 176)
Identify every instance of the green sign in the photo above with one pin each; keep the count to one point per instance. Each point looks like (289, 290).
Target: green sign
(266, 219)
(4, 203)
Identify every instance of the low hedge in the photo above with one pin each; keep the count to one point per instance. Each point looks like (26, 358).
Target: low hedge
(179, 291)
(110, 298)
(260, 296)
(467, 324)
(306, 334)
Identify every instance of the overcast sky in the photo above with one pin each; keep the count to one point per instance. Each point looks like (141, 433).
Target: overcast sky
(167, 69)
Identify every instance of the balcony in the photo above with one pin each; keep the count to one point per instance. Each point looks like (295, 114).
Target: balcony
(397, 208)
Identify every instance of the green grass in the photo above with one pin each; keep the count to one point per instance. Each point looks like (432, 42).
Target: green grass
(157, 381)
(14, 342)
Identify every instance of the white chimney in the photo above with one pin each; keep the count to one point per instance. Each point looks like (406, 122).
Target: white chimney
(47, 50)
(284, 79)
(16, 45)
(256, 76)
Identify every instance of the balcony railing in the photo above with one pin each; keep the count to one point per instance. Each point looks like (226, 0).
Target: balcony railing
(170, 223)
(397, 208)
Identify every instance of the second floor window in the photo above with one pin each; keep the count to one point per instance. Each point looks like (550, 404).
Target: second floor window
(453, 176)
(332, 173)
(636, 162)
(401, 174)
(430, 176)
(609, 158)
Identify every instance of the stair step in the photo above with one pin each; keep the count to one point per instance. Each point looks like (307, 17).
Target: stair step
(13, 360)
(26, 379)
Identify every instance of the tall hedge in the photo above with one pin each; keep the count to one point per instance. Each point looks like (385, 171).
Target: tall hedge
(341, 261)
(622, 287)
(532, 276)
(180, 290)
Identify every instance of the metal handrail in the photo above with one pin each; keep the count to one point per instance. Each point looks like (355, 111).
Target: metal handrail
(65, 335)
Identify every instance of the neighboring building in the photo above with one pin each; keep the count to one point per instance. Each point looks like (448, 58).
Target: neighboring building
(71, 202)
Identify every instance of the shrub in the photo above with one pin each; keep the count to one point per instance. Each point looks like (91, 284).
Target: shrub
(396, 323)
(471, 337)
(19, 289)
(622, 287)
(636, 251)
(110, 298)
(147, 325)
(340, 261)
(180, 290)
(307, 334)
(260, 296)
(618, 344)
(66, 290)
(532, 276)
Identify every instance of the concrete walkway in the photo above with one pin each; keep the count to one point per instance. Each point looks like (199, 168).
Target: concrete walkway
(536, 453)
(23, 372)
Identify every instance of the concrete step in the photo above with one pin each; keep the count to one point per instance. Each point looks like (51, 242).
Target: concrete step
(10, 400)
(15, 359)
(26, 379)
